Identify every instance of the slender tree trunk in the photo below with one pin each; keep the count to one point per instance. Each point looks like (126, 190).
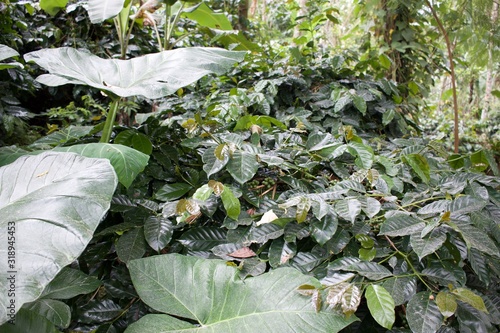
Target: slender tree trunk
(452, 73)
(489, 70)
(253, 8)
(302, 12)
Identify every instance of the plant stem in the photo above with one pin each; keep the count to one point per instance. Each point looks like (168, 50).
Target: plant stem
(110, 120)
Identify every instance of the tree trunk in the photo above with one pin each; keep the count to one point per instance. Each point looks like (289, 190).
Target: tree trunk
(489, 70)
(253, 8)
(302, 12)
(456, 138)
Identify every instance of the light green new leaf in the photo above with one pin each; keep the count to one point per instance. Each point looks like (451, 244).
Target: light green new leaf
(100, 10)
(52, 203)
(242, 166)
(401, 225)
(231, 203)
(381, 305)
(423, 314)
(128, 162)
(53, 6)
(169, 192)
(70, 283)
(210, 293)
(419, 164)
(206, 17)
(152, 76)
(446, 303)
(468, 296)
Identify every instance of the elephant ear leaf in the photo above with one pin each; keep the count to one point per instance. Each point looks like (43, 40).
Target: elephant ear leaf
(50, 206)
(209, 293)
(152, 76)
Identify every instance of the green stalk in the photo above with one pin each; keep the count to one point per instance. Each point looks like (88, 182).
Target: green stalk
(110, 121)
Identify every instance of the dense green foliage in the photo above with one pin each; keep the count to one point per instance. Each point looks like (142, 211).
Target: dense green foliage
(291, 191)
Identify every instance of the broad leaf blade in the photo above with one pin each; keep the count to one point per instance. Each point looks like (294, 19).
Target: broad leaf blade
(381, 305)
(55, 201)
(242, 166)
(128, 162)
(209, 292)
(152, 76)
(423, 314)
(100, 10)
(401, 225)
(57, 312)
(70, 283)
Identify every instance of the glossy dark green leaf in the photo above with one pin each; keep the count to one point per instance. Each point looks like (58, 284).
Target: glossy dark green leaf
(472, 320)
(423, 246)
(203, 238)
(280, 252)
(170, 192)
(401, 288)
(479, 265)
(211, 163)
(466, 204)
(324, 229)
(136, 140)
(55, 311)
(348, 209)
(364, 154)
(191, 291)
(381, 305)
(371, 270)
(158, 232)
(423, 314)
(360, 103)
(477, 239)
(479, 160)
(70, 283)
(242, 166)
(99, 311)
(131, 245)
(401, 225)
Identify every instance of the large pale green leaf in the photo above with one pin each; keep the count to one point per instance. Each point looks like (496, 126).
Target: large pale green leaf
(381, 305)
(152, 76)
(100, 10)
(29, 321)
(242, 166)
(52, 203)
(5, 53)
(128, 162)
(210, 293)
(423, 314)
